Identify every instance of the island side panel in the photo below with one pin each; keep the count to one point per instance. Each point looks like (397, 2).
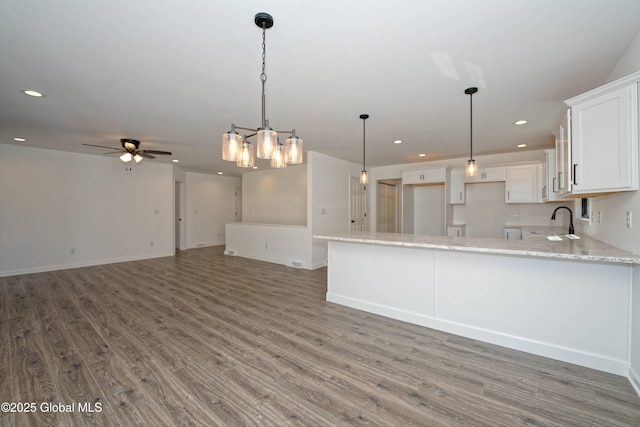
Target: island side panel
(568, 310)
(391, 281)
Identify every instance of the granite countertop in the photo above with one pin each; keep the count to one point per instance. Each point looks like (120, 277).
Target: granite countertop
(533, 245)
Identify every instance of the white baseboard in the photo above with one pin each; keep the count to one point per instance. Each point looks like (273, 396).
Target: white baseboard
(634, 379)
(89, 263)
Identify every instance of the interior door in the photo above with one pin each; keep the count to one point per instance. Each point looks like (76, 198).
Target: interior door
(387, 207)
(357, 205)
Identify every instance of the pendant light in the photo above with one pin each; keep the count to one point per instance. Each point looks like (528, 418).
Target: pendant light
(236, 148)
(278, 157)
(472, 168)
(364, 176)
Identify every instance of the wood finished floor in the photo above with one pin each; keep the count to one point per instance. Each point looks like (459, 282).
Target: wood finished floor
(211, 340)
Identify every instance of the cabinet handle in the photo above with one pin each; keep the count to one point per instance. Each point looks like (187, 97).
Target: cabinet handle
(544, 191)
(575, 166)
(554, 185)
(461, 196)
(560, 182)
(508, 195)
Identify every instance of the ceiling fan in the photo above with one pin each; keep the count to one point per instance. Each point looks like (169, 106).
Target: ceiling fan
(130, 150)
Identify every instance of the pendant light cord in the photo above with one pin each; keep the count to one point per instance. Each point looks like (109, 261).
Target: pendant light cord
(363, 143)
(471, 126)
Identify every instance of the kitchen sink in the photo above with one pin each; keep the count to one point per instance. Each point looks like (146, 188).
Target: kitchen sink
(543, 232)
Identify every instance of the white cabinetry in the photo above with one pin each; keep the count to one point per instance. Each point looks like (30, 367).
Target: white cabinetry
(513, 233)
(459, 230)
(456, 187)
(490, 174)
(523, 183)
(604, 138)
(425, 176)
(563, 155)
(550, 188)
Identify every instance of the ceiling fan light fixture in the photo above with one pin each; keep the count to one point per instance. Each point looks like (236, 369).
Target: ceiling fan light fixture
(126, 157)
(233, 148)
(137, 157)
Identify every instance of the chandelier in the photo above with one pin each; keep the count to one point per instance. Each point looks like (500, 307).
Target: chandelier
(239, 149)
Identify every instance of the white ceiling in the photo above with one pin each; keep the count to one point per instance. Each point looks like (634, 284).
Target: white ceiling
(175, 74)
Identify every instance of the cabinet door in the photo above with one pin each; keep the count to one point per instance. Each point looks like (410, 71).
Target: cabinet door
(563, 155)
(549, 179)
(523, 184)
(513, 233)
(490, 174)
(426, 176)
(412, 177)
(456, 187)
(494, 174)
(605, 142)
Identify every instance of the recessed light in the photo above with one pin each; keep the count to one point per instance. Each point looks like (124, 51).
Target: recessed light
(33, 93)
(520, 122)
(521, 145)
(397, 141)
(255, 167)
(19, 139)
(175, 161)
(422, 155)
(219, 173)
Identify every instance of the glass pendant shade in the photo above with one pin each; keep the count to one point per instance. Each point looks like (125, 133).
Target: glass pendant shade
(231, 145)
(126, 157)
(267, 141)
(137, 158)
(279, 158)
(364, 177)
(294, 150)
(472, 168)
(246, 157)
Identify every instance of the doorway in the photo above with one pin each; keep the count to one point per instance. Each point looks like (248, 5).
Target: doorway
(179, 205)
(357, 205)
(387, 206)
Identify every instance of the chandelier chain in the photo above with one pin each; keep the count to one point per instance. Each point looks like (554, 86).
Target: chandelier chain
(263, 75)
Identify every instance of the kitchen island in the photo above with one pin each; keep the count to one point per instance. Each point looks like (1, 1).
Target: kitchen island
(568, 299)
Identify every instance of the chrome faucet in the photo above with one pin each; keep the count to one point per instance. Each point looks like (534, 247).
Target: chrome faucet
(553, 217)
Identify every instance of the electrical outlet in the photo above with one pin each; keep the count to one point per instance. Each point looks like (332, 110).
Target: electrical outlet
(628, 219)
(73, 251)
(151, 244)
(599, 217)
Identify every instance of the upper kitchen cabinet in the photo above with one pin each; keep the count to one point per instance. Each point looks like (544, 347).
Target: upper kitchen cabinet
(425, 176)
(563, 156)
(456, 187)
(604, 138)
(489, 174)
(523, 184)
(549, 177)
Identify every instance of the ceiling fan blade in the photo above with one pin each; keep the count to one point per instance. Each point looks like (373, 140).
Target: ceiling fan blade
(113, 152)
(156, 152)
(146, 155)
(102, 146)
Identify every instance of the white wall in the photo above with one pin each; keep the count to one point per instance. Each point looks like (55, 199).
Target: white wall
(209, 205)
(275, 196)
(486, 213)
(54, 203)
(328, 207)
